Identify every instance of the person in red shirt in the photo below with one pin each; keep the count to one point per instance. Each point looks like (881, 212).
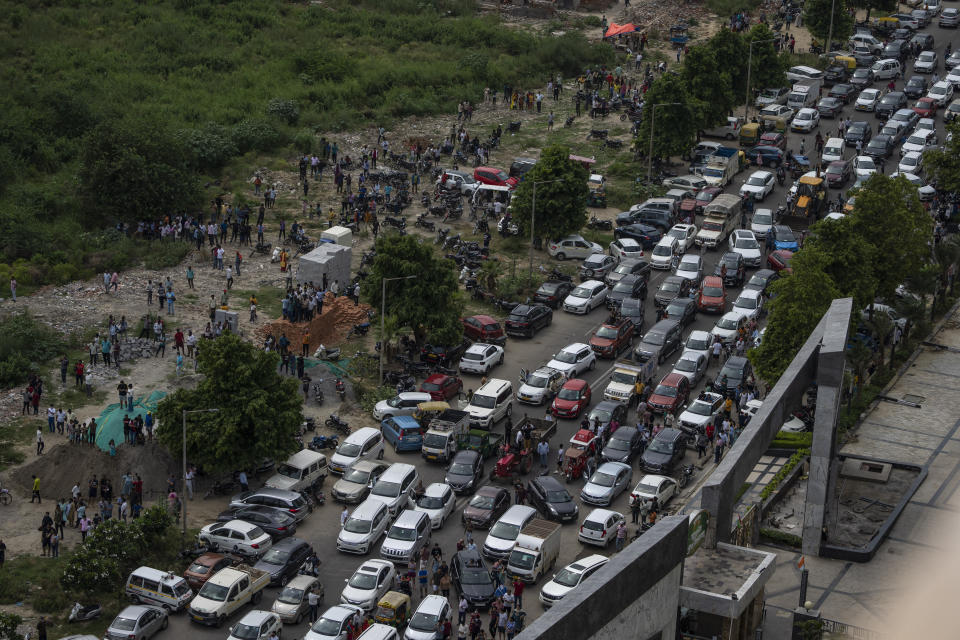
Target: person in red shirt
(178, 340)
(518, 593)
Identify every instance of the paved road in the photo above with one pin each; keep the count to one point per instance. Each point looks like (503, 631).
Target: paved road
(322, 527)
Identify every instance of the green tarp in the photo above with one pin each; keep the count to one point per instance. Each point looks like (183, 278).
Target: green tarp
(110, 422)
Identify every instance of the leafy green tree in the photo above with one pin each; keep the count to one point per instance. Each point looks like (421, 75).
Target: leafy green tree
(731, 52)
(259, 410)
(708, 83)
(884, 6)
(943, 165)
(8, 626)
(816, 18)
(798, 304)
(561, 195)
(675, 126)
(135, 171)
(767, 67)
(848, 259)
(888, 215)
(429, 302)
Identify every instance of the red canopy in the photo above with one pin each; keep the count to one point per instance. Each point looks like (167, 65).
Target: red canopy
(616, 29)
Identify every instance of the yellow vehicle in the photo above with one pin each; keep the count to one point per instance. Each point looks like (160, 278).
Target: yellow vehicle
(749, 134)
(885, 26)
(427, 411)
(849, 62)
(393, 609)
(811, 197)
(773, 123)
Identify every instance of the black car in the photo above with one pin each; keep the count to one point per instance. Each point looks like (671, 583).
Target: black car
(768, 156)
(277, 524)
(552, 292)
(644, 234)
(664, 452)
(527, 319)
(606, 412)
(284, 560)
(862, 78)
(761, 279)
(444, 355)
(890, 103)
(879, 147)
(471, 579)
(830, 107)
(622, 446)
(835, 73)
(735, 371)
(628, 287)
(628, 267)
(520, 166)
(895, 50)
(858, 131)
(923, 40)
(671, 288)
(632, 309)
(465, 471)
(736, 271)
(683, 310)
(916, 87)
(843, 92)
(550, 498)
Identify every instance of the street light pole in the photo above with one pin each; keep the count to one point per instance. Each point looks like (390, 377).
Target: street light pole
(829, 43)
(533, 218)
(653, 119)
(383, 313)
(746, 100)
(183, 531)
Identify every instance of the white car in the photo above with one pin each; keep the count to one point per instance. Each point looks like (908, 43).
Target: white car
(702, 410)
(911, 162)
(748, 303)
(626, 248)
(953, 78)
(920, 140)
(573, 360)
(363, 527)
(759, 185)
(941, 93)
(368, 584)
(745, 243)
(692, 366)
(691, 268)
(777, 111)
(333, 624)
(572, 247)
(700, 342)
(589, 295)
(864, 166)
(570, 577)
(953, 60)
(866, 40)
(867, 100)
(926, 62)
(806, 120)
(728, 326)
(684, 233)
(651, 486)
(236, 536)
(540, 386)
(480, 358)
(437, 501)
(430, 616)
(600, 527)
(256, 625)
(402, 404)
(688, 182)
(761, 222)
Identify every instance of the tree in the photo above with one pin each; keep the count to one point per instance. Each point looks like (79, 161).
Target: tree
(799, 301)
(888, 215)
(135, 171)
(848, 259)
(816, 18)
(709, 83)
(8, 626)
(730, 51)
(259, 410)
(429, 302)
(767, 67)
(674, 125)
(882, 328)
(561, 195)
(943, 165)
(887, 6)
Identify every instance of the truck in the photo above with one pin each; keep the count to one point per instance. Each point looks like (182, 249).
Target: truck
(534, 430)
(227, 592)
(486, 443)
(623, 380)
(723, 165)
(535, 550)
(440, 440)
(804, 93)
(720, 217)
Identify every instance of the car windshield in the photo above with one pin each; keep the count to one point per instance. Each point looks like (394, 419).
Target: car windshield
(289, 471)
(505, 530)
(291, 595)
(731, 373)
(712, 225)
(349, 449)
(582, 292)
(698, 343)
(602, 479)
(212, 591)
(663, 250)
(276, 556)
(705, 196)
(670, 287)
(622, 287)
(686, 364)
(521, 559)
(387, 489)
(326, 627)
(558, 496)
(746, 302)
(665, 390)
(607, 332)
(199, 568)
(461, 469)
(661, 446)
(566, 393)
(536, 380)
(713, 172)
(433, 502)
(567, 357)
(483, 402)
(357, 476)
(711, 292)
(430, 386)
(567, 578)
(746, 243)
(363, 580)
(700, 408)
(601, 414)
(679, 234)
(472, 355)
(402, 533)
(675, 309)
(917, 140)
(471, 575)
(481, 502)
(654, 338)
(727, 323)
(548, 288)
(124, 624)
(866, 163)
(804, 115)
(618, 444)
(909, 161)
(757, 181)
(356, 525)
(423, 622)
(631, 307)
(786, 235)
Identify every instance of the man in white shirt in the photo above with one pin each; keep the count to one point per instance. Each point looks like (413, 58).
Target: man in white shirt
(343, 516)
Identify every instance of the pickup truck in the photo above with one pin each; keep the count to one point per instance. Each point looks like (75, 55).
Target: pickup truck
(440, 440)
(723, 165)
(227, 592)
(535, 551)
(486, 443)
(623, 380)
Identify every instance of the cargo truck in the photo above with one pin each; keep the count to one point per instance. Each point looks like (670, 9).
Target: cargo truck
(440, 441)
(535, 551)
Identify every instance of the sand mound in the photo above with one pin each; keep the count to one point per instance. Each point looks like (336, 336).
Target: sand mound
(330, 328)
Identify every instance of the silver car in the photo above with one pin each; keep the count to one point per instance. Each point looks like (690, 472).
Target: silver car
(137, 622)
(606, 483)
(357, 481)
(293, 603)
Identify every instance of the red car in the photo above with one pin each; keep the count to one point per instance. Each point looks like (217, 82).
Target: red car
(706, 196)
(670, 394)
(494, 176)
(774, 139)
(712, 295)
(572, 399)
(925, 108)
(779, 260)
(484, 329)
(612, 338)
(441, 387)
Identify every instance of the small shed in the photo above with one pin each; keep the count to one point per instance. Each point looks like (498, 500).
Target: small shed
(339, 235)
(332, 260)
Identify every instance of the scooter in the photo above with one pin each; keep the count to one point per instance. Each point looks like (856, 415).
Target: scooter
(323, 353)
(318, 391)
(82, 613)
(341, 389)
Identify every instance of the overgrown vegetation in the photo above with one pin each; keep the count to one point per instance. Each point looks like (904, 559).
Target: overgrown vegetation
(25, 344)
(781, 537)
(787, 440)
(779, 477)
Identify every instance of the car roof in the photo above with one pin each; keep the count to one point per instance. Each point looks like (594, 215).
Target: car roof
(575, 346)
(626, 242)
(673, 379)
(292, 543)
(587, 562)
(489, 490)
(432, 604)
(373, 565)
(465, 454)
(240, 525)
(435, 489)
(548, 482)
(602, 514)
(732, 315)
(134, 611)
(479, 347)
(714, 281)
(750, 293)
(575, 383)
(256, 617)
(613, 467)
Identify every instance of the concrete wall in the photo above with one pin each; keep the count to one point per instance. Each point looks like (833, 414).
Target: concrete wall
(636, 595)
(327, 258)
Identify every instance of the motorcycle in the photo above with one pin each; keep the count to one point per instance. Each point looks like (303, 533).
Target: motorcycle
(309, 424)
(685, 475)
(338, 423)
(82, 613)
(597, 223)
(341, 389)
(507, 228)
(324, 442)
(323, 353)
(423, 222)
(318, 391)
(359, 329)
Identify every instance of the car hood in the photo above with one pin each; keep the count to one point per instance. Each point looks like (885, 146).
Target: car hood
(711, 300)
(601, 342)
(345, 488)
(654, 458)
(341, 461)
(615, 455)
(478, 593)
(751, 188)
(661, 400)
(596, 490)
(477, 515)
(689, 275)
(693, 418)
(272, 569)
(575, 301)
(563, 367)
(564, 508)
(358, 595)
(498, 544)
(433, 514)
(748, 253)
(354, 538)
(533, 392)
(281, 482)
(554, 590)
(457, 480)
(565, 404)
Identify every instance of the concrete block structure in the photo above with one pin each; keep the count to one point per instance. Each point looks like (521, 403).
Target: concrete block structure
(330, 259)
(339, 235)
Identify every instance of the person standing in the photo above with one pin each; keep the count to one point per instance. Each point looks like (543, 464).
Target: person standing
(313, 600)
(40, 444)
(188, 480)
(36, 491)
(13, 289)
(621, 535)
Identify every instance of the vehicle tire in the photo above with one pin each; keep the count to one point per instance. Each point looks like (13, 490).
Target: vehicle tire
(500, 361)
(166, 621)
(284, 579)
(593, 364)
(380, 455)
(255, 598)
(220, 621)
(298, 620)
(561, 256)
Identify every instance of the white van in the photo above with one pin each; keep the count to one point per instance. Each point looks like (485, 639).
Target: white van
(663, 254)
(395, 486)
(801, 96)
(490, 403)
(504, 532)
(301, 471)
(408, 534)
(363, 527)
(363, 444)
(832, 150)
(158, 588)
(801, 72)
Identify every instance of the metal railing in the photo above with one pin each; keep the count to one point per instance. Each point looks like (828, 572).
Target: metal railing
(850, 630)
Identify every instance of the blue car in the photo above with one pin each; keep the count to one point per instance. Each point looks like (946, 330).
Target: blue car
(783, 238)
(403, 432)
(645, 235)
(769, 156)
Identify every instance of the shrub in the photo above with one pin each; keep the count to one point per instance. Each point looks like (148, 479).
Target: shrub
(785, 440)
(782, 537)
(256, 135)
(304, 141)
(774, 483)
(284, 110)
(211, 145)
(370, 397)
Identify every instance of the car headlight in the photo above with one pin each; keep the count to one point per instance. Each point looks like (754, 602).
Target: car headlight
(552, 508)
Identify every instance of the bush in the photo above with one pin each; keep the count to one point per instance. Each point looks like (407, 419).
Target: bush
(304, 141)
(774, 483)
(256, 135)
(788, 539)
(370, 397)
(785, 440)
(25, 343)
(211, 145)
(284, 110)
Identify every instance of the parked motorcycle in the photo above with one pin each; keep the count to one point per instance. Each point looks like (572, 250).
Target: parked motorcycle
(685, 474)
(323, 353)
(341, 389)
(597, 223)
(84, 612)
(338, 423)
(324, 442)
(318, 391)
